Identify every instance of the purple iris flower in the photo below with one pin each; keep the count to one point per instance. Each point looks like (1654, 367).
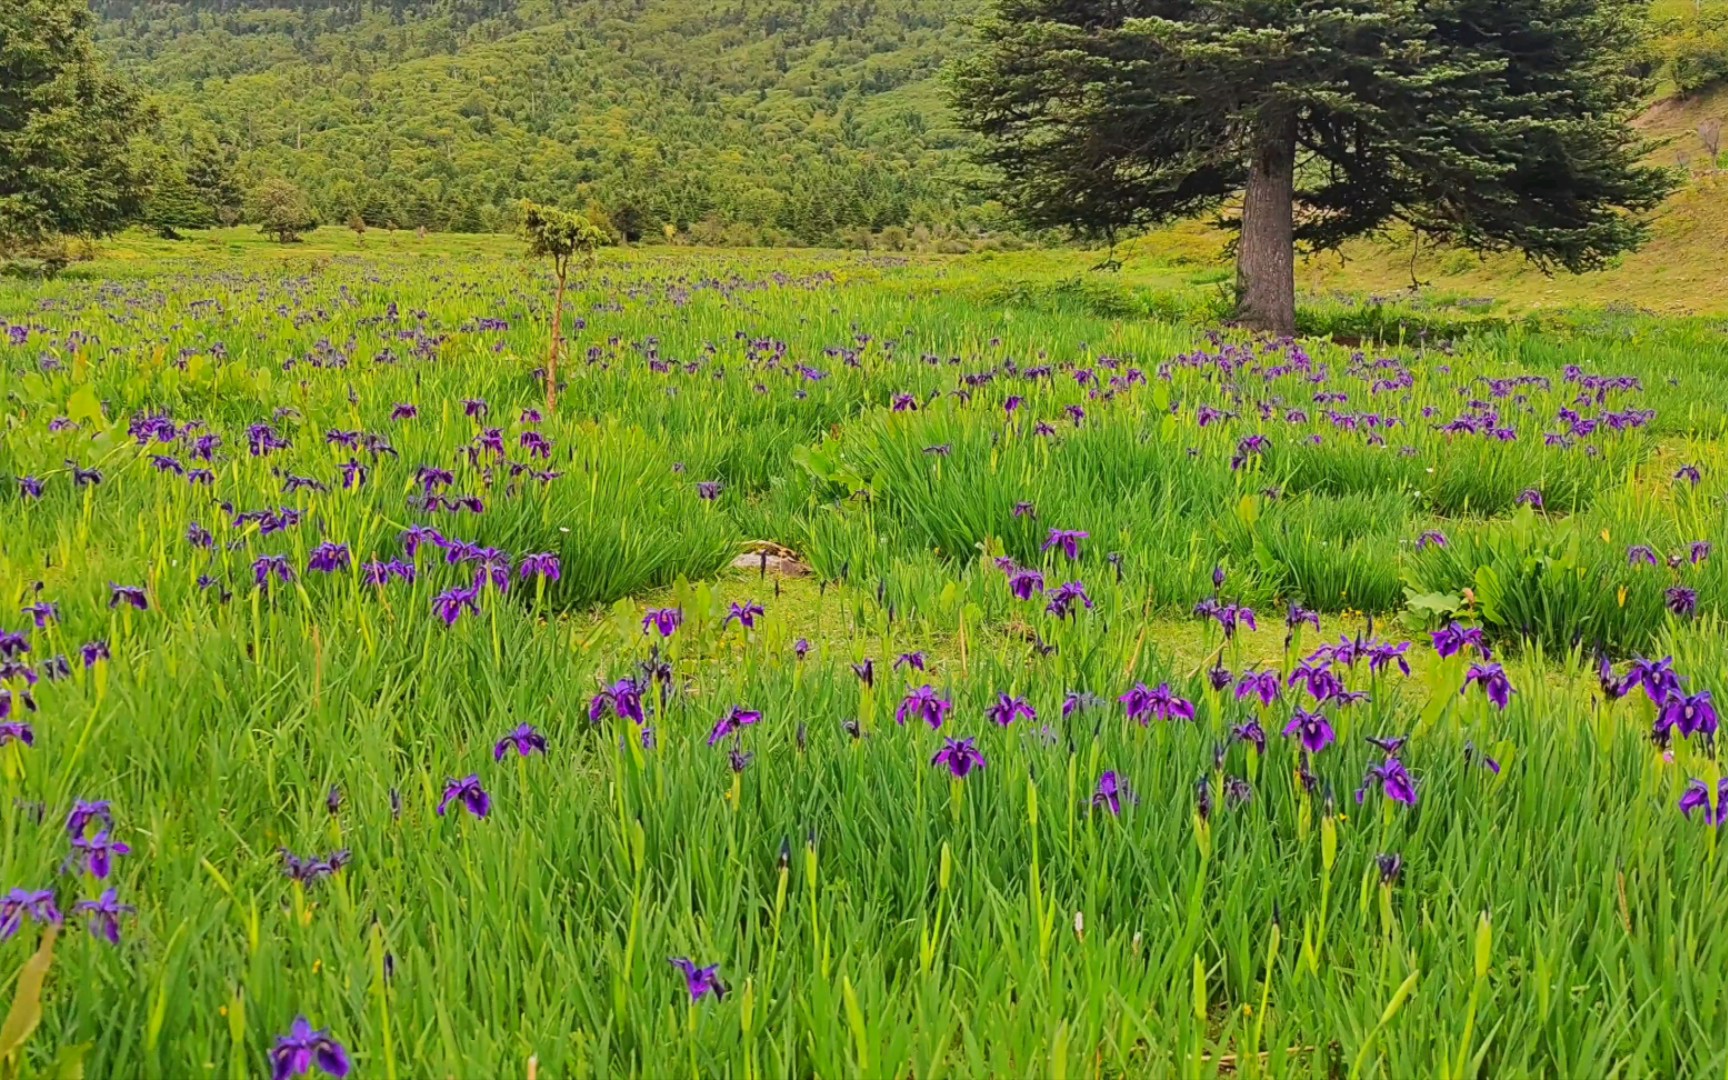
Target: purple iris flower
(1689, 473)
(1062, 599)
(310, 870)
(353, 475)
(105, 914)
(923, 704)
(30, 486)
(1023, 583)
(329, 557)
(1382, 653)
(17, 731)
(1066, 539)
(199, 537)
(1260, 684)
(961, 756)
(623, 698)
(21, 904)
(709, 490)
(1312, 729)
(526, 739)
(1391, 777)
(1492, 678)
(1318, 677)
(1388, 744)
(92, 651)
(1697, 797)
(1692, 714)
(127, 594)
(1431, 538)
(1025, 509)
(84, 814)
(663, 620)
(404, 411)
(1161, 702)
(1641, 553)
(303, 1049)
(1657, 677)
(543, 565)
(911, 660)
(700, 981)
(450, 604)
(469, 793)
(415, 535)
(431, 479)
(746, 614)
(1230, 615)
(1529, 497)
(1297, 615)
(474, 407)
(1008, 709)
(1112, 789)
(266, 566)
(1699, 551)
(735, 720)
(97, 853)
(1454, 638)
(13, 643)
(865, 671)
(1251, 733)
(42, 613)
(1683, 601)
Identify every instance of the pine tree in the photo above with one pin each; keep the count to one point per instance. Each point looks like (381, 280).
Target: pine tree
(210, 172)
(68, 165)
(1487, 124)
(174, 204)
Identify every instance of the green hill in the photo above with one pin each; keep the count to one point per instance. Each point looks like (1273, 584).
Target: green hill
(735, 122)
(741, 120)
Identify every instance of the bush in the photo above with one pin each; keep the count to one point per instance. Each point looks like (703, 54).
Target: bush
(282, 210)
(1694, 49)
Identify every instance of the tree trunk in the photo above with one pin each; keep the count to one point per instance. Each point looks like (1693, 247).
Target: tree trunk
(552, 356)
(1266, 250)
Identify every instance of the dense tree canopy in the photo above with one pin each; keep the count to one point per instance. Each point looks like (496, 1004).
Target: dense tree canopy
(67, 125)
(1490, 124)
(791, 120)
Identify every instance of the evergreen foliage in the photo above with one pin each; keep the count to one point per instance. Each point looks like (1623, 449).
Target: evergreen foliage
(1487, 124)
(68, 166)
(731, 120)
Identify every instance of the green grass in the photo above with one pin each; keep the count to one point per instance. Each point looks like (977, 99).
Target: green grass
(870, 915)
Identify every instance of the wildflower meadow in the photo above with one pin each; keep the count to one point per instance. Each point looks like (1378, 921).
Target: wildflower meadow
(862, 669)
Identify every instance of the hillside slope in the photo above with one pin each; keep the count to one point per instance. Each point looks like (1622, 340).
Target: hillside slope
(798, 121)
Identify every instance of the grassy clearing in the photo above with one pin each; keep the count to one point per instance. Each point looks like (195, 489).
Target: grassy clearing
(346, 605)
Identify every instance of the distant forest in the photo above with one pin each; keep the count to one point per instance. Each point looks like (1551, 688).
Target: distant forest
(713, 121)
(738, 121)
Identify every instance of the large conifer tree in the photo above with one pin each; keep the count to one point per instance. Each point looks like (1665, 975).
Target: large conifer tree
(1489, 124)
(67, 162)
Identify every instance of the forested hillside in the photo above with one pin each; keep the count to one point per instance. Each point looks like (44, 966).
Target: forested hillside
(740, 120)
(724, 121)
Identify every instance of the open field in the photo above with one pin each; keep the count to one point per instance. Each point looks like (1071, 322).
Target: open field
(353, 639)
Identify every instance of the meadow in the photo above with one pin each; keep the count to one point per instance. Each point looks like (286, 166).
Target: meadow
(1103, 693)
